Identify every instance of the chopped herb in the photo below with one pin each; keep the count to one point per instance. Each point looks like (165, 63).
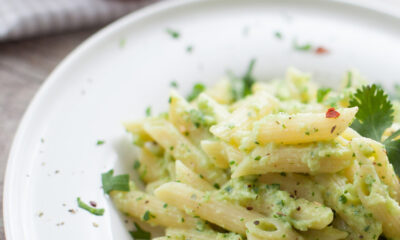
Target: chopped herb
(374, 116)
(343, 199)
(92, 210)
(321, 93)
(148, 111)
(140, 234)
(100, 142)
(216, 185)
(241, 87)
(136, 165)
(278, 35)
(110, 182)
(173, 33)
(349, 79)
(304, 47)
(174, 84)
(257, 158)
(197, 89)
(146, 216)
(283, 174)
(122, 42)
(189, 49)
(165, 205)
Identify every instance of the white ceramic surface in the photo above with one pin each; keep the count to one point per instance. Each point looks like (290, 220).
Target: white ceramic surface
(128, 66)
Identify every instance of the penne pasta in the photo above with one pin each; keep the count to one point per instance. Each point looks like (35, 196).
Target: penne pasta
(302, 127)
(324, 157)
(149, 209)
(181, 148)
(187, 176)
(226, 215)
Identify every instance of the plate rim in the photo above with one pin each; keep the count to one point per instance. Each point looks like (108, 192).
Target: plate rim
(154, 8)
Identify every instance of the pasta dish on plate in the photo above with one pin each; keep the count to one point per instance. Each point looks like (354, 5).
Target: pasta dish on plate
(252, 160)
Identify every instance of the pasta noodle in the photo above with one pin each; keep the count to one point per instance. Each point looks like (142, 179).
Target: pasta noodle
(279, 160)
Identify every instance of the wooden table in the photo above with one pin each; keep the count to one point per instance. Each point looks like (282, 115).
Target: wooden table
(24, 65)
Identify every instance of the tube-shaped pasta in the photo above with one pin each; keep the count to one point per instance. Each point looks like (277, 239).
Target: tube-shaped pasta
(150, 209)
(248, 110)
(343, 198)
(139, 135)
(375, 198)
(328, 233)
(224, 214)
(210, 106)
(380, 162)
(323, 157)
(183, 234)
(296, 185)
(181, 148)
(221, 92)
(222, 153)
(186, 175)
(302, 127)
(273, 202)
(188, 119)
(271, 229)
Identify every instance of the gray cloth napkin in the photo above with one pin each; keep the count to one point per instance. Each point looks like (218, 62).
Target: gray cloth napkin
(27, 18)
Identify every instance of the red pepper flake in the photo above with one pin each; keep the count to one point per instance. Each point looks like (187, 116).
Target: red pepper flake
(333, 129)
(249, 208)
(298, 208)
(332, 113)
(256, 222)
(321, 50)
(93, 203)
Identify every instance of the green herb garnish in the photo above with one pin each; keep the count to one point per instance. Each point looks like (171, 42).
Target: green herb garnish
(148, 111)
(100, 142)
(374, 116)
(147, 216)
(301, 47)
(140, 234)
(278, 35)
(375, 112)
(173, 33)
(197, 89)
(110, 182)
(189, 49)
(92, 210)
(321, 93)
(174, 84)
(241, 87)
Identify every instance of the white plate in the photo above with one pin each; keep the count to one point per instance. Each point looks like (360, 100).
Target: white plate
(104, 82)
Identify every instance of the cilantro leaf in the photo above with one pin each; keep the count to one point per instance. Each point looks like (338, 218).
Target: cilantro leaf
(321, 93)
(393, 150)
(241, 87)
(110, 182)
(375, 112)
(197, 89)
(140, 234)
(95, 211)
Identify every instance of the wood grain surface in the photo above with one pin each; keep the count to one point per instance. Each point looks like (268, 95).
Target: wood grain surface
(24, 65)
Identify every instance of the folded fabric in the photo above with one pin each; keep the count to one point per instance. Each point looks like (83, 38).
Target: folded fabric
(27, 18)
